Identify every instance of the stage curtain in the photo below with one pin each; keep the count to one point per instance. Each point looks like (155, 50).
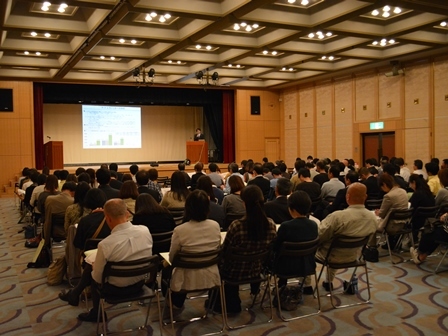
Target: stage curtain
(38, 125)
(213, 114)
(228, 130)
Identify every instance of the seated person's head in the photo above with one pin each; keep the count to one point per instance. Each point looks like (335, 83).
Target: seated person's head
(283, 187)
(153, 174)
(197, 206)
(357, 193)
(181, 166)
(300, 202)
(133, 169)
(84, 177)
(79, 171)
(142, 177)
(213, 167)
(102, 176)
(115, 212)
(198, 167)
(128, 190)
(95, 198)
(113, 166)
(236, 184)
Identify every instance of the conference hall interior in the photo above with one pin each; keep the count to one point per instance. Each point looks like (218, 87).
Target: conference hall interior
(300, 83)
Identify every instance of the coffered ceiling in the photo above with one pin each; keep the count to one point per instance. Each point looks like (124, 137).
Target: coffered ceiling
(258, 44)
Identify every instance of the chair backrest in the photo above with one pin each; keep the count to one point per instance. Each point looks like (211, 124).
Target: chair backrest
(442, 210)
(373, 204)
(197, 260)
(125, 269)
(178, 215)
(161, 181)
(57, 226)
(298, 249)
(161, 242)
(346, 242)
(242, 255)
(398, 220)
(426, 212)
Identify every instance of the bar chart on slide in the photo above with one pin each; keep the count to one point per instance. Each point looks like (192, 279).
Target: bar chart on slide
(111, 127)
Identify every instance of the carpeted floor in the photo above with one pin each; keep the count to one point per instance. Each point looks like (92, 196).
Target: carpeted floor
(406, 300)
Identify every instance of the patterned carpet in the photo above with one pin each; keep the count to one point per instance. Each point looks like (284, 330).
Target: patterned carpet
(406, 300)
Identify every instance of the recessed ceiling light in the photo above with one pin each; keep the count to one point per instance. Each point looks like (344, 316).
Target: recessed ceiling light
(274, 53)
(47, 4)
(229, 65)
(63, 5)
(243, 24)
(102, 57)
(45, 8)
(179, 62)
(26, 52)
(47, 35)
(329, 34)
(283, 69)
(236, 26)
(33, 34)
(265, 52)
(386, 8)
(162, 19)
(248, 28)
(324, 57)
(304, 2)
(153, 14)
(310, 35)
(148, 17)
(122, 40)
(38, 53)
(391, 41)
(198, 46)
(320, 37)
(208, 47)
(133, 41)
(167, 16)
(397, 10)
(383, 41)
(112, 58)
(291, 69)
(319, 33)
(291, 1)
(255, 26)
(375, 12)
(331, 58)
(385, 14)
(443, 24)
(238, 66)
(170, 61)
(375, 42)
(61, 9)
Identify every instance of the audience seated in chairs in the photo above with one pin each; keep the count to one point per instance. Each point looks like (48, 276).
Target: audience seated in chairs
(278, 209)
(153, 175)
(395, 198)
(181, 168)
(198, 167)
(307, 185)
(51, 188)
(57, 205)
(433, 180)
(340, 201)
(331, 188)
(442, 195)
(431, 240)
(421, 197)
(254, 233)
(258, 180)
(298, 229)
(176, 197)
(103, 178)
(197, 235)
(129, 193)
(216, 211)
(77, 210)
(142, 179)
(154, 216)
(126, 242)
(355, 221)
(87, 226)
(371, 183)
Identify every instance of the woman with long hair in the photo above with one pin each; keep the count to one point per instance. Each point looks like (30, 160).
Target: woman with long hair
(175, 198)
(253, 233)
(151, 214)
(421, 197)
(77, 210)
(129, 193)
(216, 211)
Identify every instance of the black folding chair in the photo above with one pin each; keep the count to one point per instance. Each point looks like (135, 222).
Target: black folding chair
(146, 267)
(350, 243)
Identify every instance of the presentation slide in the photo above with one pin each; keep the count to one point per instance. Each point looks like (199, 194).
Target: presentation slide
(111, 127)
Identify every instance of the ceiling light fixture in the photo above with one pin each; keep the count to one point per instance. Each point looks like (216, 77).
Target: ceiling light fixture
(102, 57)
(375, 12)
(148, 17)
(47, 35)
(26, 52)
(112, 58)
(386, 12)
(122, 40)
(167, 16)
(198, 46)
(265, 52)
(133, 41)
(38, 53)
(33, 34)
(238, 66)
(443, 24)
(208, 47)
(162, 19)
(304, 2)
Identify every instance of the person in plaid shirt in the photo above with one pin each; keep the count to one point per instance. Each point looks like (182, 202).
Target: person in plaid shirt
(253, 233)
(153, 175)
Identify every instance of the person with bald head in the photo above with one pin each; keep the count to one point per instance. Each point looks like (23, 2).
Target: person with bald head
(126, 242)
(355, 221)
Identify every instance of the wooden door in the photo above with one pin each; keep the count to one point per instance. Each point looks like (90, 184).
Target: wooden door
(376, 145)
(272, 149)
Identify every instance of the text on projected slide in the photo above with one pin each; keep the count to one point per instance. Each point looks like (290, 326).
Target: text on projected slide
(111, 127)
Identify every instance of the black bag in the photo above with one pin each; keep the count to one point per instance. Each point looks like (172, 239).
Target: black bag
(431, 224)
(371, 254)
(30, 231)
(290, 297)
(43, 256)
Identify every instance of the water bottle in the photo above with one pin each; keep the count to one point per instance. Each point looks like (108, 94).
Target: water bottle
(355, 284)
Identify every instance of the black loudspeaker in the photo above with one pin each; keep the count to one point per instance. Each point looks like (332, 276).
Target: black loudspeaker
(255, 105)
(154, 164)
(6, 100)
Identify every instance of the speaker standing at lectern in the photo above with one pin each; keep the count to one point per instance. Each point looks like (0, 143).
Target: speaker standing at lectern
(198, 136)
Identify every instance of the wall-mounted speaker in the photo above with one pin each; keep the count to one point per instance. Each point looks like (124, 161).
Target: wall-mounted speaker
(6, 100)
(255, 105)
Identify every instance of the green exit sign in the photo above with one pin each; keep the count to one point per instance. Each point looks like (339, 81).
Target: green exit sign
(377, 125)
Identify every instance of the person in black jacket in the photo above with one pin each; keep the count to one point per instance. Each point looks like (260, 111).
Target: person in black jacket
(422, 197)
(278, 209)
(260, 181)
(298, 229)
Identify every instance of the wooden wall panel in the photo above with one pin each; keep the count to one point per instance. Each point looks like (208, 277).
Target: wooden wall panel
(290, 124)
(440, 109)
(417, 145)
(307, 142)
(417, 88)
(389, 96)
(366, 98)
(17, 132)
(344, 141)
(343, 97)
(325, 143)
(307, 108)
(324, 106)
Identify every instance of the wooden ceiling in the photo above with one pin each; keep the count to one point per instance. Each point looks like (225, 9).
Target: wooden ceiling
(254, 44)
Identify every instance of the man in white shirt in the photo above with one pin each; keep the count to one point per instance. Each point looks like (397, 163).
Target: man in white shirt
(126, 242)
(418, 169)
(405, 173)
(331, 188)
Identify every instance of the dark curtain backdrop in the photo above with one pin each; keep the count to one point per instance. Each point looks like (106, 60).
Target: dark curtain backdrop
(228, 130)
(218, 112)
(38, 125)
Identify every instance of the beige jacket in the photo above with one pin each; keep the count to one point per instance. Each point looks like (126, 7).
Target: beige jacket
(395, 199)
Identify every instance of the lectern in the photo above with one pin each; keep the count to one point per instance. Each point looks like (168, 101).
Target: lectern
(197, 151)
(54, 155)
